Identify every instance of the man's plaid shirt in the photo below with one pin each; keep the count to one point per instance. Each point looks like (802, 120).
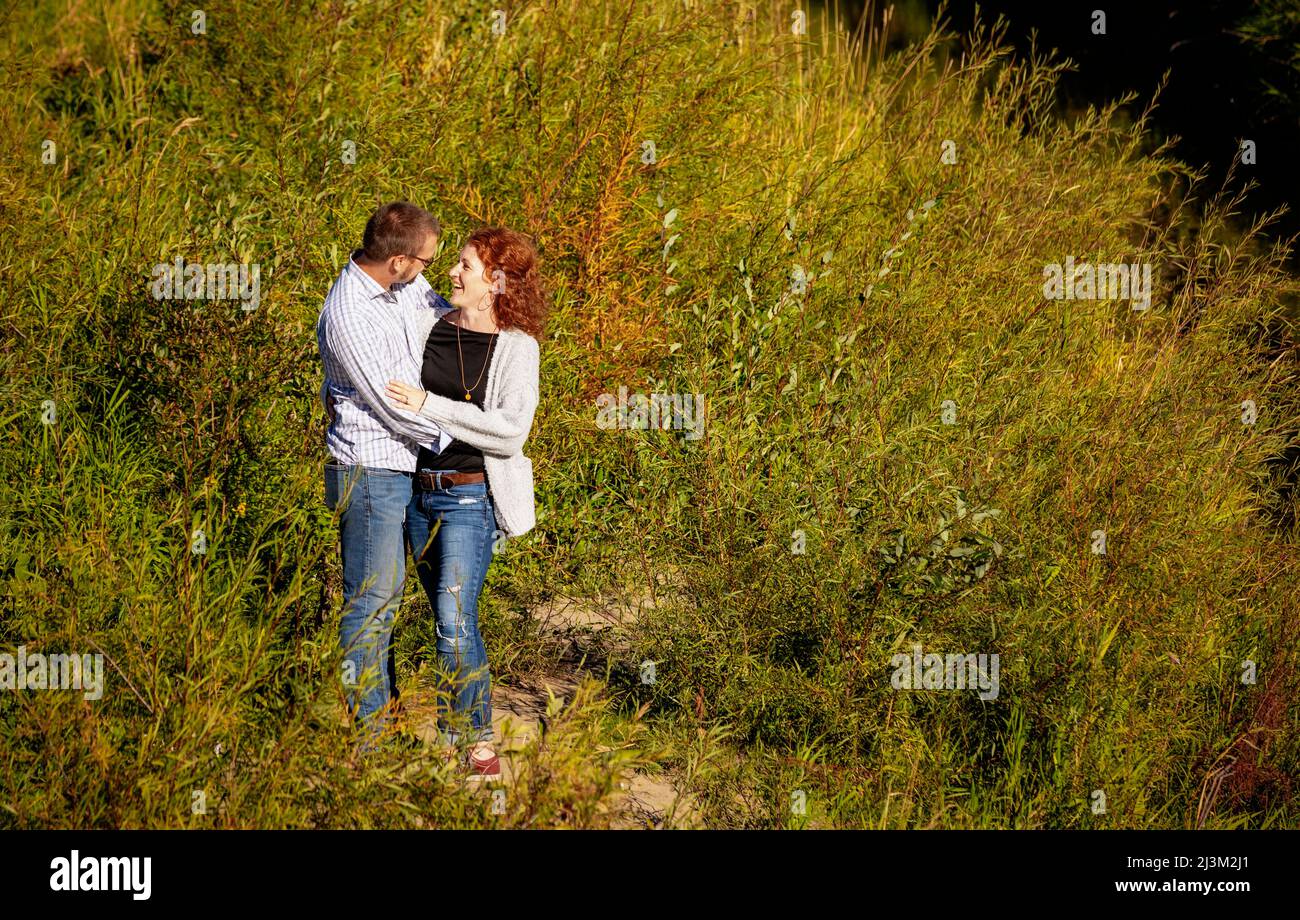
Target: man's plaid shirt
(368, 336)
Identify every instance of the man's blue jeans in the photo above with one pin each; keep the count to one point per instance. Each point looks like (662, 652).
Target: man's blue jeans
(373, 508)
(452, 531)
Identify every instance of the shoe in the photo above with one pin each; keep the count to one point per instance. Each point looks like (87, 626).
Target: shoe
(487, 769)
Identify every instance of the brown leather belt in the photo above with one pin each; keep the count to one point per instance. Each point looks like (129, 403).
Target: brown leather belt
(430, 482)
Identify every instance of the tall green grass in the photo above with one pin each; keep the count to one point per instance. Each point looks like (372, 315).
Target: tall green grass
(1121, 673)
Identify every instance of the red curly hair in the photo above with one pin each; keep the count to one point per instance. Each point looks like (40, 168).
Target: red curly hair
(521, 301)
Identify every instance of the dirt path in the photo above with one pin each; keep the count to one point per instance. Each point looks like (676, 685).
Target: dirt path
(518, 710)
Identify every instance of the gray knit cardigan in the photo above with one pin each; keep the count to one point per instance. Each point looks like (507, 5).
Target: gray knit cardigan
(500, 428)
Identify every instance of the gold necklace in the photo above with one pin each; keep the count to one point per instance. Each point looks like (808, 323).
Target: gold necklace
(486, 359)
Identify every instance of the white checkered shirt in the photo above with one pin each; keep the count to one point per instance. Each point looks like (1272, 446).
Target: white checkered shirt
(368, 336)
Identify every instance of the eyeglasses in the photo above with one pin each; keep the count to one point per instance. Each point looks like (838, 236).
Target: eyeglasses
(424, 263)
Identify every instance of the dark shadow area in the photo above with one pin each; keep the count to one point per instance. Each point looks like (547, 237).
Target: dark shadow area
(1234, 75)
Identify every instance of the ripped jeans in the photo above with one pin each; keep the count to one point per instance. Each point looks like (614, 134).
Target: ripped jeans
(451, 532)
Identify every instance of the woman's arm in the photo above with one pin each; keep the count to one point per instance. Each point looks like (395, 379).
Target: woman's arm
(501, 430)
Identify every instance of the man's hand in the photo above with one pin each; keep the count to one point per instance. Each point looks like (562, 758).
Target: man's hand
(329, 407)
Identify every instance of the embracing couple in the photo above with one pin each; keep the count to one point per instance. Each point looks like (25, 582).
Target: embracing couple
(430, 402)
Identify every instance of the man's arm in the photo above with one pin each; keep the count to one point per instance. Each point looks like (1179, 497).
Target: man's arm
(371, 359)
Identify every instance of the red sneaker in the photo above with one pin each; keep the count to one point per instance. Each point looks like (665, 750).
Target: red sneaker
(489, 768)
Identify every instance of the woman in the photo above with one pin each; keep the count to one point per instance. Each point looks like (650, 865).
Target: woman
(480, 379)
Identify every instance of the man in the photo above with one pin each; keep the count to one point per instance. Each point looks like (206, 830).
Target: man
(372, 329)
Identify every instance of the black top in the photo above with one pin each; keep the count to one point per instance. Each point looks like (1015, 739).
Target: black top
(441, 374)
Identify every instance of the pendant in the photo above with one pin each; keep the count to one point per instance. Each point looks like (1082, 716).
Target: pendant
(467, 396)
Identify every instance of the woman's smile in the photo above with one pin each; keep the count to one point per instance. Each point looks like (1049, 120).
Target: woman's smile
(468, 287)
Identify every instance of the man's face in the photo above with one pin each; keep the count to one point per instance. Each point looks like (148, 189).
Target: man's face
(406, 267)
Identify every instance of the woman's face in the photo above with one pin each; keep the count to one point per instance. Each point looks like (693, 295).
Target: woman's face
(468, 288)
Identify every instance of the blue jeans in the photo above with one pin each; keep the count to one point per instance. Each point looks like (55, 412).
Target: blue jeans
(451, 532)
(373, 507)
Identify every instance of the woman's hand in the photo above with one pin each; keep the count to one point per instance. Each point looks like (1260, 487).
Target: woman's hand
(405, 395)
